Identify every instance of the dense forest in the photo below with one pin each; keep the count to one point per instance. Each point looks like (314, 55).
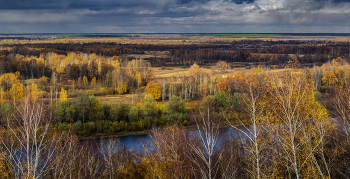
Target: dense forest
(288, 100)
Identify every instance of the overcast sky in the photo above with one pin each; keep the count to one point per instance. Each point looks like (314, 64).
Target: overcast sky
(174, 16)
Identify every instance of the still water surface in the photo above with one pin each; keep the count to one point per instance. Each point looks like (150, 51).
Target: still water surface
(134, 142)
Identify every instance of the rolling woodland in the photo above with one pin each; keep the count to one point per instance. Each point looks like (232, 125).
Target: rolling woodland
(62, 99)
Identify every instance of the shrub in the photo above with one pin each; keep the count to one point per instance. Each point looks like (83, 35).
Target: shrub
(176, 105)
(106, 110)
(221, 100)
(235, 101)
(150, 105)
(103, 90)
(120, 112)
(317, 95)
(135, 114)
(65, 111)
(78, 126)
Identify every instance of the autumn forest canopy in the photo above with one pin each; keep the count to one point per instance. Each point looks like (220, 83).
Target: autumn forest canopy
(66, 98)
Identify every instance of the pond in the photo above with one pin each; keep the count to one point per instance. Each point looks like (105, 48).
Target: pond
(134, 142)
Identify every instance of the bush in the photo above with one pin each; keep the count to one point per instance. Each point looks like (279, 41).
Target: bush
(6, 109)
(116, 126)
(176, 105)
(235, 101)
(135, 114)
(61, 127)
(95, 113)
(221, 100)
(132, 126)
(122, 125)
(110, 91)
(65, 111)
(103, 90)
(106, 110)
(120, 112)
(208, 101)
(82, 107)
(91, 126)
(317, 95)
(150, 105)
(78, 126)
(110, 130)
(89, 92)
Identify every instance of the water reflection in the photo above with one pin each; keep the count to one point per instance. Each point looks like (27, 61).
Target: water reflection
(134, 142)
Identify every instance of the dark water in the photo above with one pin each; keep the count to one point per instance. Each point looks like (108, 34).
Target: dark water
(134, 142)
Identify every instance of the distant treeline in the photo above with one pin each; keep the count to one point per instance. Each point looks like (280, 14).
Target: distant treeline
(271, 52)
(269, 34)
(27, 36)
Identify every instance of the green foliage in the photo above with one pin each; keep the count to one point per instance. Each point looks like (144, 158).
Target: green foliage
(61, 127)
(176, 118)
(106, 110)
(87, 116)
(176, 105)
(208, 101)
(235, 101)
(135, 114)
(78, 126)
(6, 109)
(82, 106)
(90, 126)
(150, 105)
(95, 113)
(221, 100)
(317, 95)
(120, 112)
(104, 126)
(65, 111)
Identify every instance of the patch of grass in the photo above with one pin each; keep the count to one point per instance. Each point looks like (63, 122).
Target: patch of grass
(116, 99)
(29, 81)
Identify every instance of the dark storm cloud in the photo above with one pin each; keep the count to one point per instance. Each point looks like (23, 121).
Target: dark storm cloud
(241, 1)
(126, 16)
(338, 1)
(94, 4)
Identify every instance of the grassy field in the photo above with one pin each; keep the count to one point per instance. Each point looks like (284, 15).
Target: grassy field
(124, 98)
(160, 39)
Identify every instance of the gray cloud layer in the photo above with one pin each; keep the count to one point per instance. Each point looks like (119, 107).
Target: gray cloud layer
(174, 16)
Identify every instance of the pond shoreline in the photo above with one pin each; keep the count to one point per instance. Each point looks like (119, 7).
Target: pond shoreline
(120, 134)
(145, 132)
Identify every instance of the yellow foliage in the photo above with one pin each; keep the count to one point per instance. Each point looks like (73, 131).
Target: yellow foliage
(93, 81)
(154, 90)
(122, 87)
(5, 168)
(63, 95)
(85, 81)
(33, 91)
(7, 80)
(2, 96)
(157, 169)
(329, 79)
(43, 80)
(103, 90)
(194, 70)
(16, 92)
(259, 71)
(138, 79)
(79, 81)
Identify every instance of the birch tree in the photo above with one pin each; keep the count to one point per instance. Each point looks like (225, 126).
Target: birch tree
(30, 144)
